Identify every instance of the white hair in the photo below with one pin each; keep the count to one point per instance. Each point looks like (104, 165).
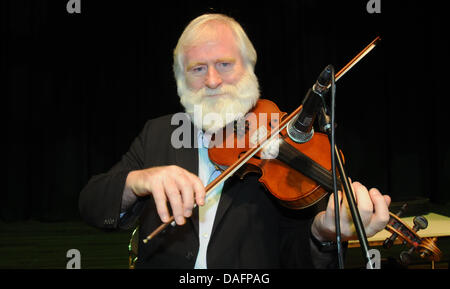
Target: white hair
(191, 32)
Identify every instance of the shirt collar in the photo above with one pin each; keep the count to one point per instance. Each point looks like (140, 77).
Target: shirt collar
(203, 139)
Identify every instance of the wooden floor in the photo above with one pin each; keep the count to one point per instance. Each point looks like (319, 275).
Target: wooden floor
(38, 245)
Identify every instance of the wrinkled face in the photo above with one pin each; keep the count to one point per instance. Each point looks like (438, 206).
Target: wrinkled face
(213, 61)
(218, 86)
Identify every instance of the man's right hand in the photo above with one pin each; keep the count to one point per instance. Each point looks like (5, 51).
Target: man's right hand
(168, 183)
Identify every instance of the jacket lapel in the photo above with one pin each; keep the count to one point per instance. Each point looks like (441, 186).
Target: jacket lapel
(228, 194)
(187, 155)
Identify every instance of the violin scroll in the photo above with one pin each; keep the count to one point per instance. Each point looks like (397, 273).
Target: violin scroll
(425, 247)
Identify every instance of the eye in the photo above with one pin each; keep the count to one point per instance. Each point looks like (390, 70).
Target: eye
(224, 66)
(199, 69)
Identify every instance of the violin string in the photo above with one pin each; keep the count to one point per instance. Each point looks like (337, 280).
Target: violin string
(305, 165)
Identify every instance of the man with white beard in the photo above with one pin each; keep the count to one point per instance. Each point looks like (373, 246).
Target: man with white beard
(239, 224)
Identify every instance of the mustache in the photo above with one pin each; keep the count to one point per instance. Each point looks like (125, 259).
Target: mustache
(223, 90)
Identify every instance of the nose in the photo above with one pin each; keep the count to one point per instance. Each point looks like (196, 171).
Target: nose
(213, 79)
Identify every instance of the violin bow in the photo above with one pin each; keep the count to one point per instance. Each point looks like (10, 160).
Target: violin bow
(356, 59)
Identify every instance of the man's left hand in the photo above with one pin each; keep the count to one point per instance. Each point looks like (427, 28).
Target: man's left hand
(373, 209)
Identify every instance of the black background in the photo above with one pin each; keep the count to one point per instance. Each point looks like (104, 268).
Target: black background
(78, 88)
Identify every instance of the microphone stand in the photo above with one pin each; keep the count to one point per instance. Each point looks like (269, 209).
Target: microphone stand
(328, 126)
(353, 209)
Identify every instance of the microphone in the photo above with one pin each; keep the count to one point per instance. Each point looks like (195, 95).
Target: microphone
(300, 129)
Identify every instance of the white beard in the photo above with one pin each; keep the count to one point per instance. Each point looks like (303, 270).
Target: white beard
(211, 113)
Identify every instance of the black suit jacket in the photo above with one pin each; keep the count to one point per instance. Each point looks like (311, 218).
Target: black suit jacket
(251, 229)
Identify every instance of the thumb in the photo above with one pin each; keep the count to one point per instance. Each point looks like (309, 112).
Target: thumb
(387, 199)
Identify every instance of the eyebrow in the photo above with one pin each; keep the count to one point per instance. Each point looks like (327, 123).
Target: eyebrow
(226, 59)
(195, 64)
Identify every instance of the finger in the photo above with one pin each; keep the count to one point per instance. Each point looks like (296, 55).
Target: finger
(160, 201)
(346, 223)
(354, 186)
(362, 196)
(344, 209)
(364, 202)
(199, 189)
(344, 216)
(330, 212)
(187, 194)
(387, 199)
(176, 203)
(380, 216)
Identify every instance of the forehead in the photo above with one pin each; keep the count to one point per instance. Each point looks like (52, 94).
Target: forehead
(212, 42)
